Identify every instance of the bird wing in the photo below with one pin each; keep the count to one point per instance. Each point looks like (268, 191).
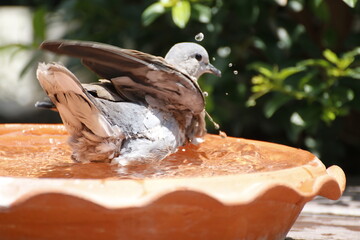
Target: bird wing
(74, 103)
(103, 89)
(136, 76)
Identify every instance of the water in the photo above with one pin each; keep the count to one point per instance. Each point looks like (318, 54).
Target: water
(199, 37)
(42, 152)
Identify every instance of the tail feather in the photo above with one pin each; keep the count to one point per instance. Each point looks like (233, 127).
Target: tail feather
(74, 104)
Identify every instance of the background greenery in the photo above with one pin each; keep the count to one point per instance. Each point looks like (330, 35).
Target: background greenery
(291, 69)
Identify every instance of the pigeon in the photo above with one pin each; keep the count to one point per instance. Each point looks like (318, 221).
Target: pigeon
(141, 110)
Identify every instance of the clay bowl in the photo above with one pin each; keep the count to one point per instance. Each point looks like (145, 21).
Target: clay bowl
(225, 188)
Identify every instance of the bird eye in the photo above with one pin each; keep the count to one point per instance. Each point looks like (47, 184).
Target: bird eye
(198, 57)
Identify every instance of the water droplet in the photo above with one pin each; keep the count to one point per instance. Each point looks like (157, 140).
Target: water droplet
(230, 65)
(199, 37)
(222, 134)
(213, 58)
(235, 72)
(226, 94)
(205, 94)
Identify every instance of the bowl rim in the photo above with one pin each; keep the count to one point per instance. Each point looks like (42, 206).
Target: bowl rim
(307, 181)
(129, 192)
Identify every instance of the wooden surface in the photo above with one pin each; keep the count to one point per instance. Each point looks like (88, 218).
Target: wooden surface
(330, 220)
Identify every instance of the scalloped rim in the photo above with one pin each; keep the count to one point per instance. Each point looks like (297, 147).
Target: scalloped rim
(306, 181)
(228, 190)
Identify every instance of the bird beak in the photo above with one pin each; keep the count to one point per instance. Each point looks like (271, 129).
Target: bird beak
(213, 70)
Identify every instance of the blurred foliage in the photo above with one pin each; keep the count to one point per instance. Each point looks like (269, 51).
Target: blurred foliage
(316, 90)
(181, 10)
(314, 81)
(290, 68)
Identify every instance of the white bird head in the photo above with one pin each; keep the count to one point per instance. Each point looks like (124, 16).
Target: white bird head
(192, 59)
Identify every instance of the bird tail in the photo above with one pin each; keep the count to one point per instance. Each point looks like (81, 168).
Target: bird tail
(77, 108)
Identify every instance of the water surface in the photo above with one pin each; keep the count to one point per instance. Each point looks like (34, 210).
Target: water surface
(42, 151)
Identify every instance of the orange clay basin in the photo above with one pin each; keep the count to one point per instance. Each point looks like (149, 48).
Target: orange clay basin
(225, 188)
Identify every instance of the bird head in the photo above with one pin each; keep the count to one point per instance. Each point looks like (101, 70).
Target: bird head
(192, 59)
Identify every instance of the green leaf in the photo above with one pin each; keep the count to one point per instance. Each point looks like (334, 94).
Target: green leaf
(345, 62)
(39, 25)
(328, 115)
(305, 79)
(274, 104)
(264, 71)
(320, 10)
(317, 2)
(260, 44)
(297, 120)
(203, 13)
(281, 2)
(331, 56)
(151, 13)
(315, 62)
(310, 115)
(181, 13)
(262, 68)
(259, 79)
(350, 95)
(354, 73)
(350, 3)
(251, 102)
(168, 3)
(287, 72)
(352, 53)
(341, 95)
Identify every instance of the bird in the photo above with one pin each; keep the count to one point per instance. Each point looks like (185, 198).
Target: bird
(142, 108)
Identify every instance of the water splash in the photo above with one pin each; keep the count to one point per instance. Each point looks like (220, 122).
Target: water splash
(199, 37)
(222, 134)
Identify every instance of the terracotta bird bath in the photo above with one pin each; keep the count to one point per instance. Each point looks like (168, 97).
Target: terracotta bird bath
(225, 188)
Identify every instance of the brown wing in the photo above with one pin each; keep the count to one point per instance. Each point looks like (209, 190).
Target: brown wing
(136, 75)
